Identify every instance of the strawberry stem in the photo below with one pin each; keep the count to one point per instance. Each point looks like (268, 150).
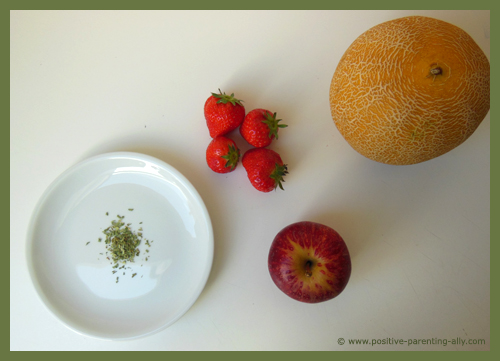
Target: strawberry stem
(232, 157)
(279, 172)
(224, 98)
(272, 124)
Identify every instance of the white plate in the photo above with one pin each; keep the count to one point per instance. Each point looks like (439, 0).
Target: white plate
(75, 281)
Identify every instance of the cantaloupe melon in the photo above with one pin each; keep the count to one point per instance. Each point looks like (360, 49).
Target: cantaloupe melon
(409, 90)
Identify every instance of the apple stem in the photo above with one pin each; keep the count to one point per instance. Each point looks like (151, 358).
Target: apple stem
(308, 269)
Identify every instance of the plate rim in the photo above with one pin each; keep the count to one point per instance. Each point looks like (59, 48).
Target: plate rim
(59, 179)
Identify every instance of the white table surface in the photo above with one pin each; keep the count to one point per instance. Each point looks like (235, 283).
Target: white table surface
(90, 82)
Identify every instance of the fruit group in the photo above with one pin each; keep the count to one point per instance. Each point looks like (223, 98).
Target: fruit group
(265, 169)
(222, 154)
(223, 113)
(309, 262)
(409, 90)
(260, 127)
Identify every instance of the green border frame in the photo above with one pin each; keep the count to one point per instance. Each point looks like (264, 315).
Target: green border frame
(273, 5)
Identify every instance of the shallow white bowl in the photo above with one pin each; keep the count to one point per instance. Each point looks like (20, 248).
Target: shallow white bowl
(75, 280)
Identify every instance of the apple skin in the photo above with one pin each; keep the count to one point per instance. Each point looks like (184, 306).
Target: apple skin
(309, 262)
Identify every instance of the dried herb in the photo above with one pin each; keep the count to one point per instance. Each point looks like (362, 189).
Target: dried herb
(121, 242)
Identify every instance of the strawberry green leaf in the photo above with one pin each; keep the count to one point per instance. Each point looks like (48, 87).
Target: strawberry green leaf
(232, 157)
(224, 99)
(277, 175)
(272, 124)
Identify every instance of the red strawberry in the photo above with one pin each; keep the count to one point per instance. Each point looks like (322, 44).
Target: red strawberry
(223, 113)
(222, 154)
(265, 169)
(260, 127)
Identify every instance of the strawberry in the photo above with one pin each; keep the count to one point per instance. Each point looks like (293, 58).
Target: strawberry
(223, 113)
(222, 154)
(265, 169)
(260, 127)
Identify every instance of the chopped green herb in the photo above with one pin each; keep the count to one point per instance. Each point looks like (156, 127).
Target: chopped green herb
(107, 213)
(87, 243)
(122, 244)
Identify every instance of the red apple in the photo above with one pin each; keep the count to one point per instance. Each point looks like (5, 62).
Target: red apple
(309, 262)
